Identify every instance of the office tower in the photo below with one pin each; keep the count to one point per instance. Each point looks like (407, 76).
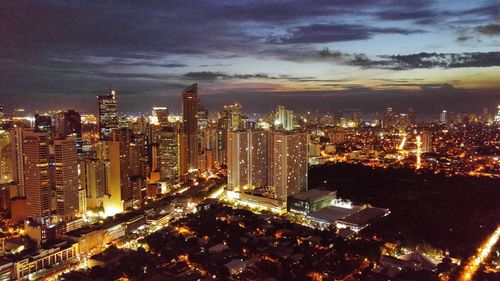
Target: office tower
(284, 119)
(120, 193)
(233, 114)
(168, 158)
(17, 167)
(66, 177)
(247, 159)
(389, 118)
(426, 141)
(288, 172)
(1, 112)
(160, 115)
(93, 180)
(443, 117)
(189, 134)
(202, 117)
(35, 172)
(108, 114)
(69, 123)
(43, 123)
(5, 157)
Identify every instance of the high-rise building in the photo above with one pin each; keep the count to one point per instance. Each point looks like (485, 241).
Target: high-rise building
(288, 172)
(69, 123)
(160, 114)
(168, 158)
(108, 114)
(43, 123)
(497, 116)
(426, 141)
(5, 157)
(443, 117)
(93, 180)
(66, 177)
(35, 169)
(247, 159)
(233, 114)
(189, 133)
(120, 192)
(284, 119)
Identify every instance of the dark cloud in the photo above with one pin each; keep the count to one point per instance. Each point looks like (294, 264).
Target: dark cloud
(425, 16)
(325, 33)
(429, 60)
(209, 75)
(490, 29)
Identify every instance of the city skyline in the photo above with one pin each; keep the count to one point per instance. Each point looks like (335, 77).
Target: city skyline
(334, 54)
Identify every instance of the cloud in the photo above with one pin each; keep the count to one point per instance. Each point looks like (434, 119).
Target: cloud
(209, 75)
(325, 33)
(490, 29)
(429, 60)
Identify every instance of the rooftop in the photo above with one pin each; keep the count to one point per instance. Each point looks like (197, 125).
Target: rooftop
(364, 216)
(314, 195)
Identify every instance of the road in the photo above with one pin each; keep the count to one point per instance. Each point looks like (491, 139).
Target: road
(480, 257)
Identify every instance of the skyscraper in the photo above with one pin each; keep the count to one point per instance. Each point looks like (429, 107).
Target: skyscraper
(443, 117)
(284, 118)
(35, 168)
(43, 123)
(168, 150)
(66, 177)
(108, 114)
(288, 172)
(189, 134)
(93, 180)
(426, 138)
(69, 123)
(120, 193)
(5, 157)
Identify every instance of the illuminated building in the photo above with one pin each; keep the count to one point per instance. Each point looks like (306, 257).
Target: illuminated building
(66, 177)
(120, 192)
(288, 173)
(35, 265)
(168, 156)
(69, 123)
(93, 180)
(284, 119)
(160, 114)
(5, 157)
(310, 201)
(35, 172)
(108, 114)
(233, 114)
(247, 159)
(426, 139)
(43, 123)
(189, 133)
(497, 117)
(443, 117)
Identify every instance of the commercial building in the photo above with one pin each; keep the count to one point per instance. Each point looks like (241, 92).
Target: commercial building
(66, 177)
(108, 114)
(189, 133)
(310, 201)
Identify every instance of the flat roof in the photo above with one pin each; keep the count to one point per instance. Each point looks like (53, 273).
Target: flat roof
(332, 213)
(364, 216)
(314, 195)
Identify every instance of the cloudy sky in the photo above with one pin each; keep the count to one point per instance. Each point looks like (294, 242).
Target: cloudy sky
(309, 55)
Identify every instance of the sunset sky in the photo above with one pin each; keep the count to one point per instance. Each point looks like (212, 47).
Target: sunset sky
(309, 55)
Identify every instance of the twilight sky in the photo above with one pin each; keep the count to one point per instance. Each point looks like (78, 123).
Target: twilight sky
(321, 55)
